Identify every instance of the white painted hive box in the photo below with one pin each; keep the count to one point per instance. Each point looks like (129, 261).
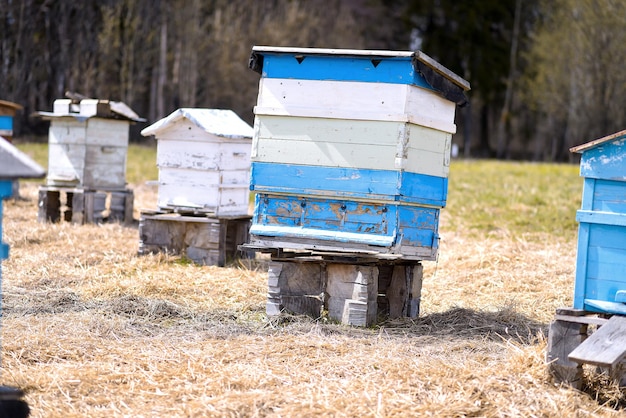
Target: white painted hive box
(203, 157)
(88, 143)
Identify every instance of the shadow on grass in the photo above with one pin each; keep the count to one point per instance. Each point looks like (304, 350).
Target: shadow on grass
(456, 323)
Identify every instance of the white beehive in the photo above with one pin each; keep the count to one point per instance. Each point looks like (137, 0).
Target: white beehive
(88, 143)
(203, 157)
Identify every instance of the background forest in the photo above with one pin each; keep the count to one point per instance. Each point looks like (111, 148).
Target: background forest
(545, 75)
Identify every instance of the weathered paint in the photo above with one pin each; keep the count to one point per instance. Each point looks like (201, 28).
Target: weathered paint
(384, 185)
(355, 101)
(203, 157)
(389, 225)
(351, 150)
(601, 256)
(89, 153)
(397, 70)
(375, 145)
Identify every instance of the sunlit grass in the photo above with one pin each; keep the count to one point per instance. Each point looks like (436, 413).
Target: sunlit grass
(523, 198)
(484, 196)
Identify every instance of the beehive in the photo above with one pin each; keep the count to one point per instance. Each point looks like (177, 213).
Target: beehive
(203, 158)
(8, 110)
(88, 143)
(351, 150)
(600, 284)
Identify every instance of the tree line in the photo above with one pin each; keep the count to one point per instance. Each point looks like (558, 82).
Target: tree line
(545, 74)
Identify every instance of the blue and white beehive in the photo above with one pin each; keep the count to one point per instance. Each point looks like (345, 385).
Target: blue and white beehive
(351, 150)
(601, 259)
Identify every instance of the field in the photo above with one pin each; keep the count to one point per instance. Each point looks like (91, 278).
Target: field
(90, 329)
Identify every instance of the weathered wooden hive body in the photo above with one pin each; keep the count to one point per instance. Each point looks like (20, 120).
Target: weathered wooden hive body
(203, 157)
(88, 143)
(601, 260)
(351, 150)
(8, 110)
(593, 331)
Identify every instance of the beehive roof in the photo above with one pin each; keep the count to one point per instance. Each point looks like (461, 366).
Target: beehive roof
(440, 78)
(15, 164)
(220, 122)
(597, 142)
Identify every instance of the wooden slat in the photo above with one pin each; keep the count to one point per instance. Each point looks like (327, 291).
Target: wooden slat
(605, 347)
(356, 101)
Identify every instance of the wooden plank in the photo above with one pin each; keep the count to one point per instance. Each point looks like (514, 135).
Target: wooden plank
(605, 347)
(604, 162)
(415, 296)
(397, 292)
(589, 320)
(563, 338)
(354, 100)
(295, 287)
(379, 145)
(349, 183)
(107, 132)
(352, 293)
(49, 206)
(201, 156)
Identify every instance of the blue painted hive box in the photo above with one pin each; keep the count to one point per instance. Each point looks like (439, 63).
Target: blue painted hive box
(600, 284)
(351, 150)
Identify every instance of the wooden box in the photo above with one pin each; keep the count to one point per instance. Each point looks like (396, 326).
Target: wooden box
(8, 110)
(203, 239)
(351, 150)
(600, 284)
(203, 157)
(88, 144)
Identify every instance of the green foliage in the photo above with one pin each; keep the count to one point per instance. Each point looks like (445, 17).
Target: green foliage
(575, 76)
(141, 164)
(517, 198)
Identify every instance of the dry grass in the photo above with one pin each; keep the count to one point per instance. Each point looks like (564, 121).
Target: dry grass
(91, 329)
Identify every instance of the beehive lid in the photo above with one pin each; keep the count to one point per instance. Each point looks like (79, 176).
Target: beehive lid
(219, 122)
(7, 107)
(597, 142)
(87, 108)
(15, 164)
(440, 78)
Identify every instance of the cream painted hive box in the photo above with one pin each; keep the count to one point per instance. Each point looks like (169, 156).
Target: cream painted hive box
(203, 157)
(88, 143)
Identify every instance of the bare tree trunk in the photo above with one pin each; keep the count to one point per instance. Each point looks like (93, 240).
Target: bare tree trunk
(162, 78)
(506, 107)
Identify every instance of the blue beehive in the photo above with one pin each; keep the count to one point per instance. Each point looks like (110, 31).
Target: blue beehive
(351, 150)
(601, 260)
(8, 111)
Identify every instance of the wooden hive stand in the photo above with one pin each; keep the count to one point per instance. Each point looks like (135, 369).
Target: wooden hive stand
(202, 237)
(577, 337)
(83, 206)
(352, 289)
